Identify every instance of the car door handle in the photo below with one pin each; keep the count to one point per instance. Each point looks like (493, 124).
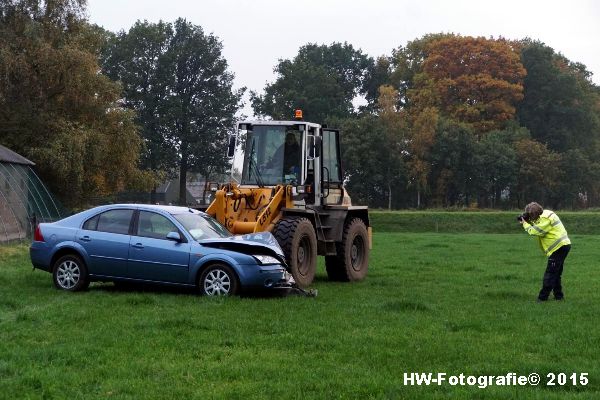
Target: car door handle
(138, 246)
(85, 238)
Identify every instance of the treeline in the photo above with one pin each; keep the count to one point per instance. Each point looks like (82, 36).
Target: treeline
(57, 109)
(452, 121)
(443, 121)
(102, 112)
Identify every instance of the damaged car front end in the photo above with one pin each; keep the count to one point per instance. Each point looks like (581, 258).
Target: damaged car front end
(264, 248)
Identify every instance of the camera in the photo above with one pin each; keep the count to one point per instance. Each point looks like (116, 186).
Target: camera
(522, 217)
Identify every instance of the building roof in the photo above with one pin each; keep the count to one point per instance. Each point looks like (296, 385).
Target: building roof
(9, 156)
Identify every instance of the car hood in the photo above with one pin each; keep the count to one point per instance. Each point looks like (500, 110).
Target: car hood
(252, 243)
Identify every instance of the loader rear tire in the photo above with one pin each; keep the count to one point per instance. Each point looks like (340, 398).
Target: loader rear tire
(297, 238)
(352, 260)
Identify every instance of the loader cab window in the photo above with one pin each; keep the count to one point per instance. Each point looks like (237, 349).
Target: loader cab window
(332, 171)
(272, 155)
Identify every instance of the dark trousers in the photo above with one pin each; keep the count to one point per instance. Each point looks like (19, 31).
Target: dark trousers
(553, 273)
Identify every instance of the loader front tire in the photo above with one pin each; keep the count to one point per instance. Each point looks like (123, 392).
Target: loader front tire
(297, 238)
(352, 260)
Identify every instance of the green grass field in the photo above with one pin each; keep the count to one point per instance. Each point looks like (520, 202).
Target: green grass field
(453, 303)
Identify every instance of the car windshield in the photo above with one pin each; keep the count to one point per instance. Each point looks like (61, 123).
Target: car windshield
(271, 155)
(201, 226)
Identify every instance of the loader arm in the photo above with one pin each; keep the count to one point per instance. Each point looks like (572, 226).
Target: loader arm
(249, 210)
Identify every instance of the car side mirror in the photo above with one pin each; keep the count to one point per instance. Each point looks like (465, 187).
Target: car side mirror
(174, 236)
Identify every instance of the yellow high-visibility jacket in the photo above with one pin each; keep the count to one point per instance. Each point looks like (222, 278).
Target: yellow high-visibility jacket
(550, 232)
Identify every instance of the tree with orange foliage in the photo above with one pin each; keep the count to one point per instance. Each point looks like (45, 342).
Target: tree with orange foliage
(476, 81)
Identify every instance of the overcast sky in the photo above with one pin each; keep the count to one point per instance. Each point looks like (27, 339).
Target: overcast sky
(256, 33)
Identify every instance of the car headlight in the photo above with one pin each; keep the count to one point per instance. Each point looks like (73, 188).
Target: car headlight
(265, 260)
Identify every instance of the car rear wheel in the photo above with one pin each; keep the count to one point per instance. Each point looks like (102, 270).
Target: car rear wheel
(218, 280)
(70, 274)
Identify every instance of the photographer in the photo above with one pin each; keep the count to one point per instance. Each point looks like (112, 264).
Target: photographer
(554, 242)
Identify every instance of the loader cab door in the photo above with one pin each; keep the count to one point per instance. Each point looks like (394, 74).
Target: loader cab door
(331, 168)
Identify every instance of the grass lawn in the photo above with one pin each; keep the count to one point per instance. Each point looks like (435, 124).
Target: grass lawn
(453, 303)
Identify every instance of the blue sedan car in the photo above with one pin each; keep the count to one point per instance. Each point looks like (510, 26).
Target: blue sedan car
(155, 244)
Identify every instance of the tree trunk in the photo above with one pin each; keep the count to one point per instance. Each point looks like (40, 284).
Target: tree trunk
(183, 169)
(389, 196)
(153, 195)
(418, 198)
(154, 187)
(206, 186)
(204, 191)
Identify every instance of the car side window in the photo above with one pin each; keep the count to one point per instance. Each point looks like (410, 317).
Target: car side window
(91, 224)
(115, 221)
(154, 225)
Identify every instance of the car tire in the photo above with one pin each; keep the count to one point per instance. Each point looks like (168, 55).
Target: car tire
(218, 280)
(297, 238)
(70, 273)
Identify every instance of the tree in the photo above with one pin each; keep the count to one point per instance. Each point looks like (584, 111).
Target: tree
(422, 138)
(496, 164)
(174, 75)
(55, 106)
(580, 185)
(561, 105)
(138, 60)
(476, 81)
(202, 106)
(453, 164)
(539, 173)
(377, 75)
(407, 64)
(395, 138)
(321, 80)
(365, 152)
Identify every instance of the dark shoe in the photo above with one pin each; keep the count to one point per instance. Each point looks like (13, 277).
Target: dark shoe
(559, 298)
(541, 300)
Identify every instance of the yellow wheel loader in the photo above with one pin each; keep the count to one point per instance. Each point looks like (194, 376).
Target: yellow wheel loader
(287, 179)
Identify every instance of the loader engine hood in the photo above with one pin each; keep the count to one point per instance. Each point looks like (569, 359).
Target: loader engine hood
(252, 243)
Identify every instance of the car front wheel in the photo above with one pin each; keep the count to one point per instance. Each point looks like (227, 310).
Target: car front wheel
(70, 274)
(218, 280)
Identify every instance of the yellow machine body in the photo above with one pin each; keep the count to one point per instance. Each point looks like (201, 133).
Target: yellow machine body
(249, 210)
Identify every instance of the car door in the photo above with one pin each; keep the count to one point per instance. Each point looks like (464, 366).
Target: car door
(154, 257)
(105, 237)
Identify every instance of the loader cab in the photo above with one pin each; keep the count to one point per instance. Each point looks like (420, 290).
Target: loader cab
(302, 154)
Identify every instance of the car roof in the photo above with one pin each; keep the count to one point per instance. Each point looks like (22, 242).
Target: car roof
(157, 207)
